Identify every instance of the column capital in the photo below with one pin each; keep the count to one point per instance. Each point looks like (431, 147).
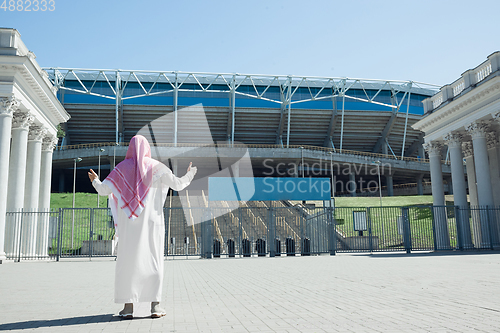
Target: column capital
(433, 148)
(22, 120)
(477, 129)
(36, 133)
(496, 116)
(467, 148)
(491, 140)
(8, 105)
(49, 143)
(453, 140)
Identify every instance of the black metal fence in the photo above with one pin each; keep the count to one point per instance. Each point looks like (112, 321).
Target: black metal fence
(260, 229)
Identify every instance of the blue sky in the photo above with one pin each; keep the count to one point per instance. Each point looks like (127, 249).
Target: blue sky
(427, 41)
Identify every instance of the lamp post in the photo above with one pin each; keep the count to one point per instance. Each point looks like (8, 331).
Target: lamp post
(76, 160)
(114, 154)
(331, 172)
(302, 160)
(101, 150)
(380, 196)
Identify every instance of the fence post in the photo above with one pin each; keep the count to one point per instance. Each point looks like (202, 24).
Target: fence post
(241, 231)
(369, 222)
(59, 232)
(406, 229)
(460, 228)
(91, 233)
(489, 220)
(166, 221)
(433, 228)
(271, 227)
(20, 235)
(332, 239)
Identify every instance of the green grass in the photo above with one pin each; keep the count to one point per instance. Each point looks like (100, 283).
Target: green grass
(82, 200)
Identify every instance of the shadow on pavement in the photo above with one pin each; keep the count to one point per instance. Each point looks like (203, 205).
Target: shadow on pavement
(402, 254)
(31, 324)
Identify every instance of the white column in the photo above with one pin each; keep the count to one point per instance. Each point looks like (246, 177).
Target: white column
(471, 182)
(32, 188)
(434, 151)
(17, 173)
(454, 142)
(7, 107)
(440, 221)
(478, 132)
(492, 143)
(42, 241)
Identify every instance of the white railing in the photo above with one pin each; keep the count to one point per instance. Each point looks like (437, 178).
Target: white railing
(468, 79)
(458, 86)
(483, 72)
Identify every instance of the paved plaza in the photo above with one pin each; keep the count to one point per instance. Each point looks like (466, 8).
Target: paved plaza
(384, 292)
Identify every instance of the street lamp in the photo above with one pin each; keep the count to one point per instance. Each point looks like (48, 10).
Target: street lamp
(76, 160)
(377, 163)
(380, 196)
(302, 158)
(101, 150)
(114, 154)
(331, 171)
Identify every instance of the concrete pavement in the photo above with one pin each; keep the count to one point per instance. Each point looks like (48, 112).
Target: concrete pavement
(449, 292)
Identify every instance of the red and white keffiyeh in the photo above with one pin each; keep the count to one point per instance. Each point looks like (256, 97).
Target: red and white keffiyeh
(131, 180)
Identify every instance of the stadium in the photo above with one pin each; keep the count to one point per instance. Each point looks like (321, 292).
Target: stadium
(289, 119)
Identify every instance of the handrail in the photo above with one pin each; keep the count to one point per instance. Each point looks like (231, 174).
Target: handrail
(229, 145)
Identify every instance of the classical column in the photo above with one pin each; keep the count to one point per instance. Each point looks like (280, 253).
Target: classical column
(7, 107)
(471, 182)
(478, 132)
(32, 188)
(42, 245)
(434, 151)
(492, 143)
(440, 222)
(17, 173)
(454, 142)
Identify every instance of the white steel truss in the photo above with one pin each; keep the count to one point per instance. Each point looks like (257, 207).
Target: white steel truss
(319, 88)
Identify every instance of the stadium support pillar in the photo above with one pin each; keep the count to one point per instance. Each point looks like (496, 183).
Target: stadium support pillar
(420, 185)
(385, 149)
(61, 182)
(390, 185)
(17, 172)
(7, 107)
(351, 184)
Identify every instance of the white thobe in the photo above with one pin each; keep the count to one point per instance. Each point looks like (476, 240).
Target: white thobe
(140, 256)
